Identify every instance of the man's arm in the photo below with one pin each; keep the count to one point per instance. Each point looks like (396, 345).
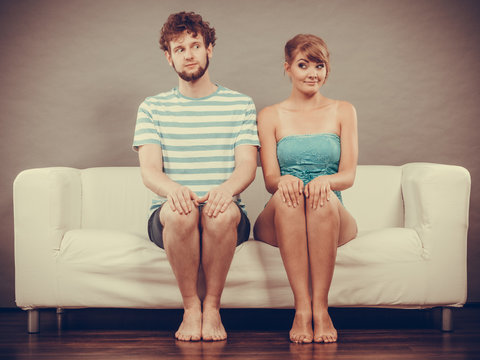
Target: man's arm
(245, 167)
(180, 198)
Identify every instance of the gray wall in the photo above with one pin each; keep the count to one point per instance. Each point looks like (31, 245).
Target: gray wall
(72, 74)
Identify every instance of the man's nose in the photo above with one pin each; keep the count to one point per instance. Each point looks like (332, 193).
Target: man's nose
(187, 53)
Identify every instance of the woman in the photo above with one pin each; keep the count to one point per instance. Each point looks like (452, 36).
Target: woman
(309, 152)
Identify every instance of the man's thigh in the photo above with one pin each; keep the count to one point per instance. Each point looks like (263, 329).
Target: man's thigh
(236, 212)
(160, 215)
(163, 215)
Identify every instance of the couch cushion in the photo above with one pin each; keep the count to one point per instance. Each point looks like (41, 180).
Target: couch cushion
(102, 268)
(382, 246)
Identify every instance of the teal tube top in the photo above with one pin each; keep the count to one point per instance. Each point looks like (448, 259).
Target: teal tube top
(309, 156)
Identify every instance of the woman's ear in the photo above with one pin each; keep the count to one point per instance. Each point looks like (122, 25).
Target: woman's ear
(286, 68)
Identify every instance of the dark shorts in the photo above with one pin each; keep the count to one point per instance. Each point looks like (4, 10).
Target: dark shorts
(155, 227)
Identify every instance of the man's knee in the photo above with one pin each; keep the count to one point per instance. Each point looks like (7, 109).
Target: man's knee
(175, 220)
(229, 219)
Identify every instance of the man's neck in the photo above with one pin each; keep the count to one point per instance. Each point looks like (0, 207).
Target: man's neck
(197, 89)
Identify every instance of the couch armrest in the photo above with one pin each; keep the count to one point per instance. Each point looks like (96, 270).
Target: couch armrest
(436, 199)
(47, 203)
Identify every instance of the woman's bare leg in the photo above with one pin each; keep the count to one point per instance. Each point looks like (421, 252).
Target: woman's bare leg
(328, 227)
(284, 226)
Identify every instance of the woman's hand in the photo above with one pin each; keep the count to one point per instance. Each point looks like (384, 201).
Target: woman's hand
(291, 189)
(318, 191)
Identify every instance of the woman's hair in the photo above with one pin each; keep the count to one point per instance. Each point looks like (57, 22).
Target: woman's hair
(312, 46)
(185, 21)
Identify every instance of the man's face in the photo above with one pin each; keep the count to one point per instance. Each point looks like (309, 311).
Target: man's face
(189, 56)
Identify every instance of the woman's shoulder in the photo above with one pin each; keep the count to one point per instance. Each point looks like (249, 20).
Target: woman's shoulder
(346, 112)
(268, 113)
(344, 108)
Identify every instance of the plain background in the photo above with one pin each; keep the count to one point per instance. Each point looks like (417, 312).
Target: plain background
(72, 74)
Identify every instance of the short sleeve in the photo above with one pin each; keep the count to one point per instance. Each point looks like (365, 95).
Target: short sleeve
(146, 131)
(248, 134)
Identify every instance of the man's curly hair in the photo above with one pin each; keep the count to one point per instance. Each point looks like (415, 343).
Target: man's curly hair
(185, 21)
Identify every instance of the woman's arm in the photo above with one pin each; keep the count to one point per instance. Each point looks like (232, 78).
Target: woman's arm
(318, 190)
(289, 186)
(349, 148)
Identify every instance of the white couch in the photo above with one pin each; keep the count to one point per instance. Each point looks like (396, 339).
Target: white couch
(81, 241)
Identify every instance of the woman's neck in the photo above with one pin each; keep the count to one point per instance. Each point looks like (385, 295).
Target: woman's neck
(300, 100)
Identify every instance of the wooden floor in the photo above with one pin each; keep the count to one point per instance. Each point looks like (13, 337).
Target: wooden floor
(253, 334)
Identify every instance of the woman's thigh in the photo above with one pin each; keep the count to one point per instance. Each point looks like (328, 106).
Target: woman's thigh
(348, 225)
(264, 228)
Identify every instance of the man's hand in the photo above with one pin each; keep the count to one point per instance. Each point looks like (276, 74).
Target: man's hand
(182, 199)
(218, 199)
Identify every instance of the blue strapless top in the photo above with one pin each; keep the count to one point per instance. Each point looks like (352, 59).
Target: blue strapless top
(309, 156)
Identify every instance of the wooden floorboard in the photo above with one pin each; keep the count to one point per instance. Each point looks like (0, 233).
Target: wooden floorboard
(252, 334)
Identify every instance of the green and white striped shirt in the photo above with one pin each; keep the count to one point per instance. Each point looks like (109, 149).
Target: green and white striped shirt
(198, 136)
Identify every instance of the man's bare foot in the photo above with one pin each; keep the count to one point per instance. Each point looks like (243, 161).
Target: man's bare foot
(325, 332)
(301, 331)
(212, 327)
(191, 327)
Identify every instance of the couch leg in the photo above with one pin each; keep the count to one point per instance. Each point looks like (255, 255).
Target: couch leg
(60, 318)
(33, 321)
(447, 319)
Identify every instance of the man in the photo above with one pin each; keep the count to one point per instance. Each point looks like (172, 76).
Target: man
(197, 148)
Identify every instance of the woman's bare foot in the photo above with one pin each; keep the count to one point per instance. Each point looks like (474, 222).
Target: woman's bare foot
(325, 332)
(212, 327)
(301, 331)
(191, 327)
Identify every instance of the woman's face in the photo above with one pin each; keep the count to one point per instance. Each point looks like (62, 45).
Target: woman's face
(306, 76)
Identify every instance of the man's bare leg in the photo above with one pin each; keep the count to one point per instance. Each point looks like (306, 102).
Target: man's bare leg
(219, 239)
(181, 238)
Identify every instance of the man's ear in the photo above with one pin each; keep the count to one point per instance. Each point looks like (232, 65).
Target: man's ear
(169, 57)
(210, 51)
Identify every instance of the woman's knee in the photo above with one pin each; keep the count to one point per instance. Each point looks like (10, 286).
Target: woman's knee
(330, 210)
(284, 209)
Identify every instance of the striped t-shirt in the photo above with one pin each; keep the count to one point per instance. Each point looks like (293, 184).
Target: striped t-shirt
(198, 136)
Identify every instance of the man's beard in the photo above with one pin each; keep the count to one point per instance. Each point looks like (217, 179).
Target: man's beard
(195, 75)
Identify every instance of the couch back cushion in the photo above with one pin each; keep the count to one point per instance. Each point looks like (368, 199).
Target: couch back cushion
(375, 199)
(115, 198)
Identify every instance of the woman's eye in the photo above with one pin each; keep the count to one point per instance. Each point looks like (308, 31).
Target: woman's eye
(302, 66)
(320, 66)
